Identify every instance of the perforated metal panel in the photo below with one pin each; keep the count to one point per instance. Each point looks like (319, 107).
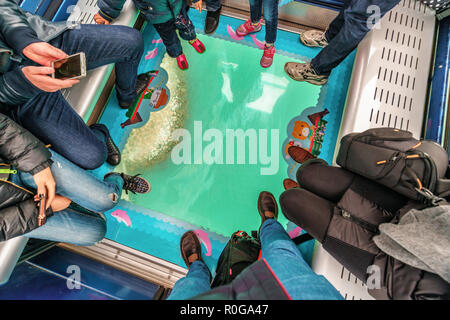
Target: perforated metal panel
(388, 89)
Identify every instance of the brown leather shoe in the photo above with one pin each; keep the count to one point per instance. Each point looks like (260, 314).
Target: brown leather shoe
(190, 246)
(267, 202)
(289, 184)
(300, 154)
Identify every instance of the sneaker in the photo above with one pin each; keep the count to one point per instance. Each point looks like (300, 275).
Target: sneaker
(182, 62)
(248, 27)
(135, 184)
(141, 84)
(190, 247)
(198, 45)
(267, 203)
(314, 38)
(212, 21)
(114, 156)
(267, 58)
(304, 72)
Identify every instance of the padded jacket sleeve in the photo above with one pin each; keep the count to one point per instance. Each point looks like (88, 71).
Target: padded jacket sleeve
(21, 149)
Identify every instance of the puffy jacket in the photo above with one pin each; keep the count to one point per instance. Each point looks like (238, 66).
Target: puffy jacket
(155, 11)
(19, 148)
(18, 29)
(356, 213)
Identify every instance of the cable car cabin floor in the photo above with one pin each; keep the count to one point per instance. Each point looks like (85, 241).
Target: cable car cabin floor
(210, 138)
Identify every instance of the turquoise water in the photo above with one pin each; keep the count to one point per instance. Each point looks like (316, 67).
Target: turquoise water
(217, 187)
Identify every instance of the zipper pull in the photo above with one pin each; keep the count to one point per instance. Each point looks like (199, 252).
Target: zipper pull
(345, 214)
(8, 171)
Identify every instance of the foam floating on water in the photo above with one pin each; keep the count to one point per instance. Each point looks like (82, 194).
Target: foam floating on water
(122, 216)
(204, 238)
(233, 34)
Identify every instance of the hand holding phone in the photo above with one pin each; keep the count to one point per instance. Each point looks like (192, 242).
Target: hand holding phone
(42, 217)
(70, 68)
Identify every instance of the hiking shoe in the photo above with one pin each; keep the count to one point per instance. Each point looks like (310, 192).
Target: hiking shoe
(114, 156)
(212, 21)
(248, 27)
(141, 84)
(267, 203)
(135, 184)
(299, 154)
(304, 72)
(190, 247)
(290, 184)
(182, 62)
(267, 58)
(198, 45)
(314, 38)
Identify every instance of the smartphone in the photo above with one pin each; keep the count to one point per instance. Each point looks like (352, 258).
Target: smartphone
(72, 67)
(42, 216)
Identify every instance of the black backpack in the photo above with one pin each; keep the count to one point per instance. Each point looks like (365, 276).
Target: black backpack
(417, 169)
(239, 253)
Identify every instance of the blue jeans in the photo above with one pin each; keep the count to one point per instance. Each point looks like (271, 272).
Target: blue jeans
(285, 260)
(347, 30)
(51, 119)
(81, 228)
(168, 34)
(213, 5)
(270, 8)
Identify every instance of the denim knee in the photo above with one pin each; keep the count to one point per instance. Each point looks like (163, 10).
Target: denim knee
(94, 156)
(96, 235)
(136, 41)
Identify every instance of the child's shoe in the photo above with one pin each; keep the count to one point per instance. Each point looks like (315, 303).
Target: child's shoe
(247, 28)
(198, 45)
(267, 58)
(182, 62)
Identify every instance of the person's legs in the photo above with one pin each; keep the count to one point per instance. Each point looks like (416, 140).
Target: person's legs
(270, 8)
(336, 25)
(354, 29)
(70, 226)
(255, 10)
(167, 32)
(288, 265)
(51, 119)
(79, 185)
(197, 281)
(104, 45)
(185, 26)
(213, 5)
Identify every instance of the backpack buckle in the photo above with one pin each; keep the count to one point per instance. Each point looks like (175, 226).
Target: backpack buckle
(427, 194)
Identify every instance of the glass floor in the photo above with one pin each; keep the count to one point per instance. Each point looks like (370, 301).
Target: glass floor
(210, 138)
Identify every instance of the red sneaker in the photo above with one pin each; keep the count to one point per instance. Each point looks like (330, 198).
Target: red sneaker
(267, 58)
(182, 62)
(198, 45)
(247, 28)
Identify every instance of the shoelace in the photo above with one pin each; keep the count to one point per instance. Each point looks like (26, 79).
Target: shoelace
(132, 183)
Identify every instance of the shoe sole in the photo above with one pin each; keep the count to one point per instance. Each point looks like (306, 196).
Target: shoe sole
(197, 243)
(317, 83)
(261, 213)
(304, 42)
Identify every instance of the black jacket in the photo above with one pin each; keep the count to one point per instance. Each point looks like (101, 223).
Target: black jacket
(19, 148)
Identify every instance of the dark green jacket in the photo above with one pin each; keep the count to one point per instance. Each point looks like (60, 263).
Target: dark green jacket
(155, 11)
(19, 148)
(18, 29)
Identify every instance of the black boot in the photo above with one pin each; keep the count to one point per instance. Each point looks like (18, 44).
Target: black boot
(141, 84)
(113, 151)
(212, 21)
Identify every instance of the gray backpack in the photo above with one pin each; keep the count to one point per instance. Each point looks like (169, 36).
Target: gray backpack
(417, 169)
